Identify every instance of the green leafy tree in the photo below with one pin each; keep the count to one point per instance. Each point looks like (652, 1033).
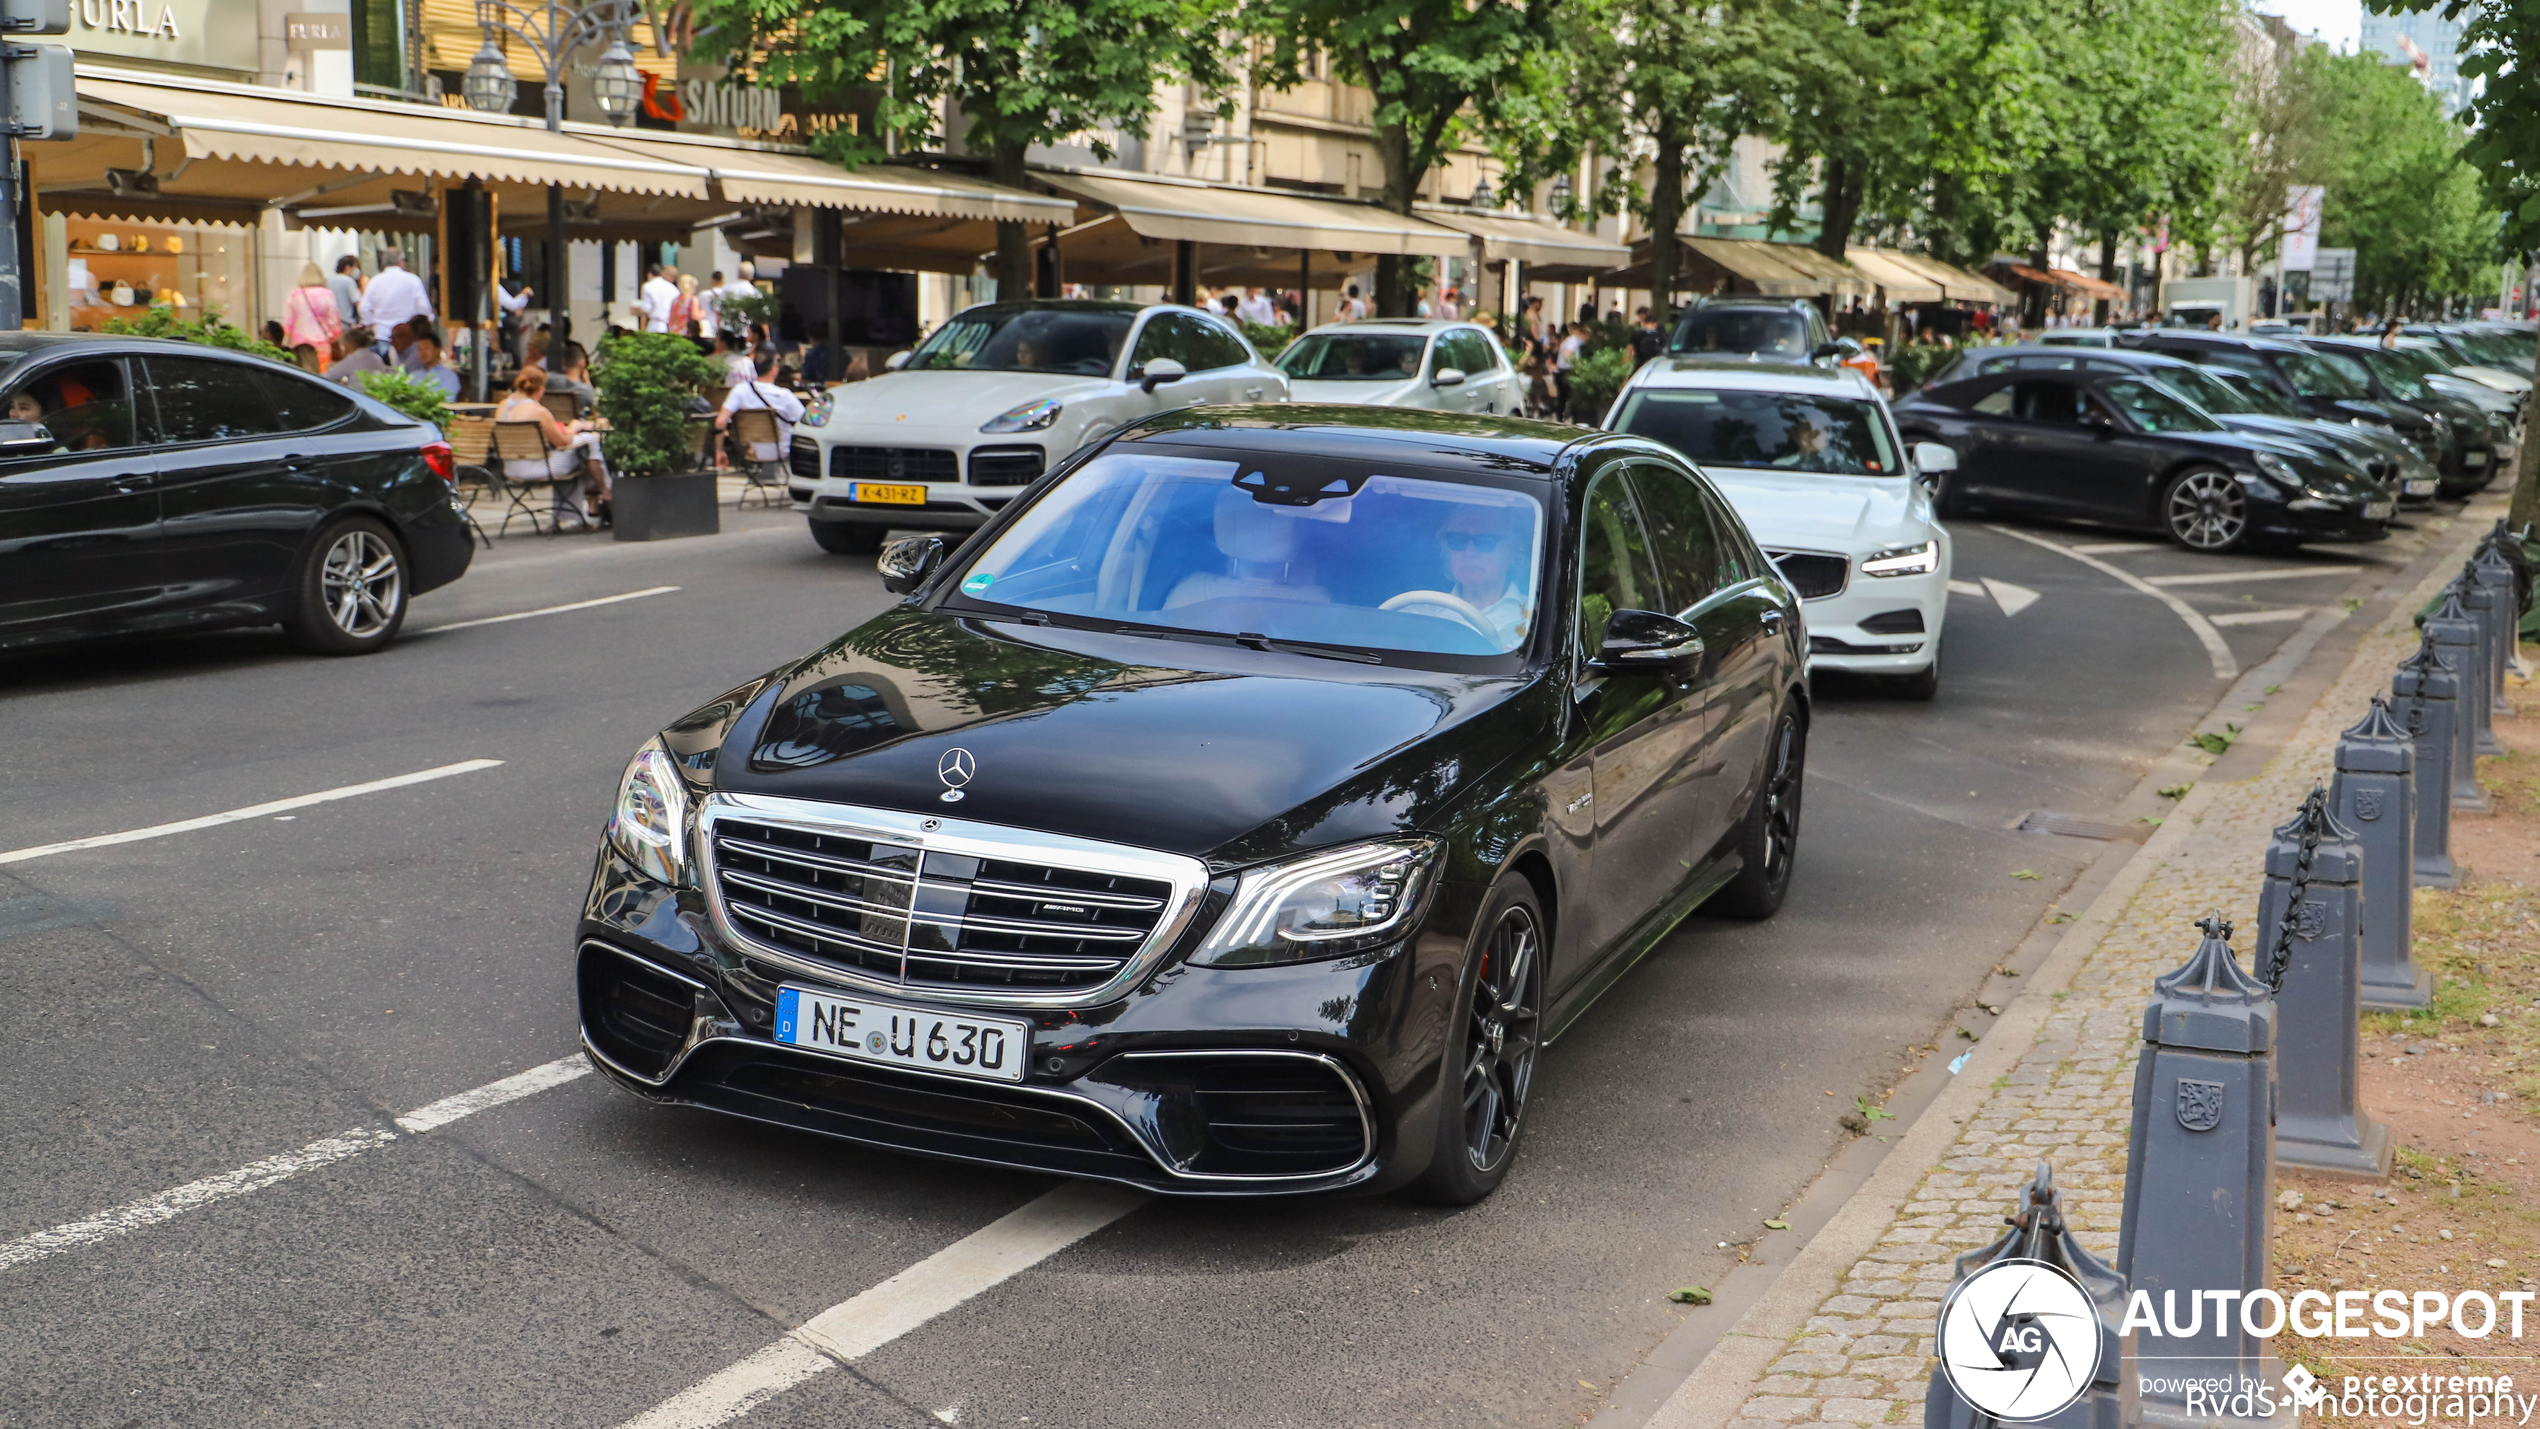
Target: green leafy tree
(1440, 70)
(2398, 191)
(645, 382)
(1011, 73)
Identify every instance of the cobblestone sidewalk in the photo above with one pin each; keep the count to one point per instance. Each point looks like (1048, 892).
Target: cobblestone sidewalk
(2063, 1094)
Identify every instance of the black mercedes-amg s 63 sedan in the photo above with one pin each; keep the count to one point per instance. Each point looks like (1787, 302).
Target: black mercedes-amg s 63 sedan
(1243, 809)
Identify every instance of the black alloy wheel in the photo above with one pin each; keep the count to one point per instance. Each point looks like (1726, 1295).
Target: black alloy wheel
(1768, 839)
(2205, 510)
(848, 538)
(1490, 1066)
(351, 596)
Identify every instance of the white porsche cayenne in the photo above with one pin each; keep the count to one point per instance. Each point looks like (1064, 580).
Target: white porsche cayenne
(1811, 459)
(1446, 366)
(996, 396)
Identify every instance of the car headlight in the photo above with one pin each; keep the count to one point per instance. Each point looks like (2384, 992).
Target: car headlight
(2269, 464)
(1324, 905)
(1920, 560)
(816, 411)
(1030, 417)
(650, 823)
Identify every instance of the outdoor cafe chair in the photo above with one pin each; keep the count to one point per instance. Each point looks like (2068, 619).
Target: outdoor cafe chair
(754, 427)
(471, 448)
(564, 404)
(527, 442)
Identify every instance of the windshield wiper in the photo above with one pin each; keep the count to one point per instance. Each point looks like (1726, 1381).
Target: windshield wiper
(1249, 641)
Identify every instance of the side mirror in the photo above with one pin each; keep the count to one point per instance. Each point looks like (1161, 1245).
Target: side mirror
(896, 361)
(1840, 349)
(1158, 371)
(26, 439)
(1644, 642)
(1448, 377)
(2097, 420)
(1931, 458)
(906, 563)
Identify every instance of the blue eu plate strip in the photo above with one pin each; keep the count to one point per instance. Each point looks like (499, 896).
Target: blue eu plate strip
(786, 999)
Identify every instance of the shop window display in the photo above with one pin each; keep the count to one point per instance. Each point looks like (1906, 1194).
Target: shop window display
(122, 269)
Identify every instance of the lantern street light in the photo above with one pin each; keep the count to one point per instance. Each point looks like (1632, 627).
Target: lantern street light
(1483, 197)
(552, 31)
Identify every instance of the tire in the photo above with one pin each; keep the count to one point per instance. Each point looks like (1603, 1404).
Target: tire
(1768, 837)
(1948, 498)
(1487, 1072)
(2204, 510)
(350, 595)
(848, 538)
(1923, 683)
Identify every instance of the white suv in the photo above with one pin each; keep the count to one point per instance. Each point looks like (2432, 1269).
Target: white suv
(993, 398)
(1811, 459)
(1405, 362)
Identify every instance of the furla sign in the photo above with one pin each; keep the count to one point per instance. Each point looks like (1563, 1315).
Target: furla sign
(192, 34)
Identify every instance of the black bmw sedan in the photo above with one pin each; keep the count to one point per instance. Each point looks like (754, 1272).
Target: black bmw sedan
(1241, 810)
(155, 486)
(2119, 449)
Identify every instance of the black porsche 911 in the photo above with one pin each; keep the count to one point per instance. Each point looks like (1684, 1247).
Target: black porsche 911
(1241, 810)
(2119, 449)
(151, 485)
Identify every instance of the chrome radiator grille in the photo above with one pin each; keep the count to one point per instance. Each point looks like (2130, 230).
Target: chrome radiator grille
(927, 918)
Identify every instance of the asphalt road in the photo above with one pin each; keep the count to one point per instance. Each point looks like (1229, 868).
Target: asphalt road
(189, 1005)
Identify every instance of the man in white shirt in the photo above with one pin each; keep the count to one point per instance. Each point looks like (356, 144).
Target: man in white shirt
(395, 295)
(763, 393)
(1354, 307)
(1256, 308)
(653, 300)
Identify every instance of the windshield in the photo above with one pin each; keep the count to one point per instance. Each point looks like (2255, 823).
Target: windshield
(2423, 361)
(1354, 357)
(1765, 429)
(2156, 408)
(2393, 370)
(1026, 339)
(2252, 389)
(1766, 332)
(2313, 375)
(1299, 550)
(2210, 392)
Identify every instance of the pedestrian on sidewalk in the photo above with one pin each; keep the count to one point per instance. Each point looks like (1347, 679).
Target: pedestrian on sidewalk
(395, 295)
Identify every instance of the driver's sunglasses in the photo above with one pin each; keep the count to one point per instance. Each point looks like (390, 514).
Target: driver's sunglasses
(1487, 544)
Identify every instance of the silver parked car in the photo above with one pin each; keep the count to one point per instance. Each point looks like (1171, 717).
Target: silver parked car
(1449, 366)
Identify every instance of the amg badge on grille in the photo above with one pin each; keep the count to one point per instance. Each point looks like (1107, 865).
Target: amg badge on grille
(955, 769)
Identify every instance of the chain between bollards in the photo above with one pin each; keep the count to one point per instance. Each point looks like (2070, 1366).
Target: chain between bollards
(2314, 817)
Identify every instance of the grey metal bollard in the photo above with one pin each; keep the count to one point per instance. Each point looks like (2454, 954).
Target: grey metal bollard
(2422, 699)
(2312, 911)
(2486, 607)
(2454, 631)
(2375, 795)
(2493, 571)
(2038, 1232)
(2199, 1181)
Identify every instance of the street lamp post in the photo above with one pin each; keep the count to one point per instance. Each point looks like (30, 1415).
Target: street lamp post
(552, 31)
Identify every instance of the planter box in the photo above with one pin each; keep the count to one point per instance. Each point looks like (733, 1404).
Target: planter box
(662, 508)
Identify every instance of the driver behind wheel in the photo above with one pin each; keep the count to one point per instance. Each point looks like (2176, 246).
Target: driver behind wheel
(1481, 546)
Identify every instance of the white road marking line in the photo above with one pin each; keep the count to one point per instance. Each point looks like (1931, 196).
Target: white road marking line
(2012, 598)
(2226, 665)
(167, 1205)
(2285, 616)
(2111, 548)
(494, 1094)
(547, 610)
(976, 1263)
(252, 811)
(2298, 573)
(1965, 588)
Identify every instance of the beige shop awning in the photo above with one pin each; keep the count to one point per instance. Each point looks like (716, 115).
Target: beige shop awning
(1547, 249)
(1956, 283)
(1175, 211)
(751, 173)
(1900, 283)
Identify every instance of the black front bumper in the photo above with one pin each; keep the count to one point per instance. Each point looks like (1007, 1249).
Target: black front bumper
(1253, 1081)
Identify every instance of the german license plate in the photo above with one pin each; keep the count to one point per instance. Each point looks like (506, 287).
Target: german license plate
(2420, 487)
(2473, 458)
(2379, 510)
(990, 1048)
(886, 494)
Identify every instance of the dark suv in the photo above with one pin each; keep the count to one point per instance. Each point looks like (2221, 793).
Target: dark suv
(1239, 811)
(1774, 329)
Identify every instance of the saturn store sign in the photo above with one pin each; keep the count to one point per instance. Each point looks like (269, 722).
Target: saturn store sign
(192, 34)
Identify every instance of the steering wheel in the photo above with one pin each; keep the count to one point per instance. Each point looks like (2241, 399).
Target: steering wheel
(1449, 602)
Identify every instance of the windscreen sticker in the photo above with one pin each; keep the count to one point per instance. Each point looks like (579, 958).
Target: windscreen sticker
(977, 583)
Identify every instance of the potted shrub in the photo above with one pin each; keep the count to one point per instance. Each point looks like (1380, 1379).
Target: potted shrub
(647, 384)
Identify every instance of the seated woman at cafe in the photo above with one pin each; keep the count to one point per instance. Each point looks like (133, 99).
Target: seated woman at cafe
(573, 447)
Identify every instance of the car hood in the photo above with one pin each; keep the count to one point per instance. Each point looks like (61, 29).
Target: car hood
(1382, 394)
(1792, 509)
(937, 397)
(1158, 744)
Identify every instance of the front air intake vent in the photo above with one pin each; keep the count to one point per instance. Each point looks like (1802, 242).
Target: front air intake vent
(1813, 575)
